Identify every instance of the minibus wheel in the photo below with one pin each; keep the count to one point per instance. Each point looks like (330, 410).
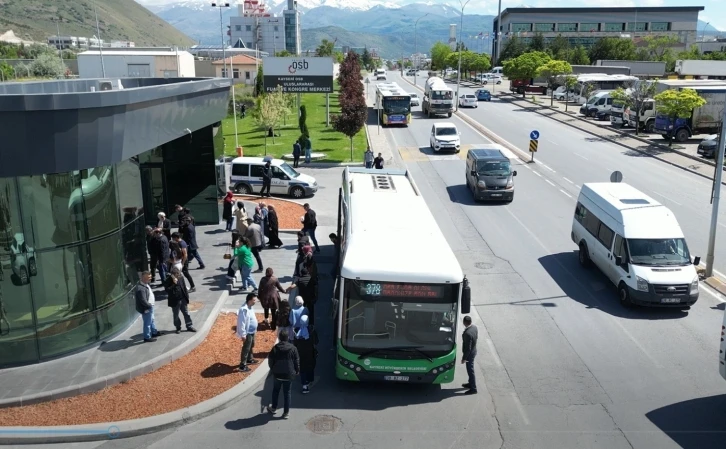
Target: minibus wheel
(624, 295)
(583, 257)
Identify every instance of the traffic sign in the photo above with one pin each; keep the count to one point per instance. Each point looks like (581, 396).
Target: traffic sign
(534, 135)
(533, 146)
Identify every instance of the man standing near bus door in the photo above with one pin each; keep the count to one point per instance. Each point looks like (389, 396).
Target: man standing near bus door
(469, 337)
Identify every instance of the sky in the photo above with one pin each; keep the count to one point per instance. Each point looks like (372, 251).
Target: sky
(715, 11)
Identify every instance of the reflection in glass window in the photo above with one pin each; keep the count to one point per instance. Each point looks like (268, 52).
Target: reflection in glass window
(130, 198)
(98, 186)
(517, 27)
(64, 336)
(115, 316)
(544, 27)
(62, 287)
(133, 238)
(614, 26)
(151, 156)
(109, 274)
(52, 209)
(660, 26)
(567, 27)
(639, 26)
(587, 27)
(17, 332)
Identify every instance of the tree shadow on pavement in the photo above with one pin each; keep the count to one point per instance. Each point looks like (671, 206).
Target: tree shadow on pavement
(693, 424)
(593, 289)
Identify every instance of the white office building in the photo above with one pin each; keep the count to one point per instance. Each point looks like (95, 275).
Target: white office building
(136, 63)
(64, 42)
(258, 29)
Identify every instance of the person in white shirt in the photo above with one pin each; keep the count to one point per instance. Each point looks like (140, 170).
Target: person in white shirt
(246, 330)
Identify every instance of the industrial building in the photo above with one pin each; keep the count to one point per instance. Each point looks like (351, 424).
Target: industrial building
(161, 62)
(77, 192)
(585, 26)
(258, 29)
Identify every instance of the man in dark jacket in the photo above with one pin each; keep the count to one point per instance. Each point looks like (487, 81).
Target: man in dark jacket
(162, 253)
(189, 234)
(145, 306)
(310, 224)
(296, 152)
(469, 339)
(284, 363)
(152, 246)
(178, 299)
(266, 179)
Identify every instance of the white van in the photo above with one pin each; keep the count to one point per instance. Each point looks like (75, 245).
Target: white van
(246, 177)
(380, 74)
(637, 243)
(598, 102)
(445, 136)
(497, 71)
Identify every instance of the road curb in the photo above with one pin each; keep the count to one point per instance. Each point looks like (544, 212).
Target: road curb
(716, 284)
(523, 156)
(122, 376)
(134, 427)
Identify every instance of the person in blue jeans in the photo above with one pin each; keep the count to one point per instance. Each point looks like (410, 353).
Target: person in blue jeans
(145, 306)
(284, 362)
(308, 149)
(245, 261)
(310, 224)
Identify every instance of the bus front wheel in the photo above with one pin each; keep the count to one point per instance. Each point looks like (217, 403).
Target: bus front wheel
(449, 114)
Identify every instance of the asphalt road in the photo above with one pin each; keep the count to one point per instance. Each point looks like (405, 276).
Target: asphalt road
(568, 158)
(560, 365)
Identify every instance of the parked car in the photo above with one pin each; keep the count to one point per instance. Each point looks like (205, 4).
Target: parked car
(411, 72)
(483, 95)
(468, 100)
(22, 259)
(602, 115)
(415, 101)
(247, 177)
(707, 147)
(491, 78)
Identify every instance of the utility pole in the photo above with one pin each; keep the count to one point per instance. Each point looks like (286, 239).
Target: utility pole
(228, 73)
(100, 44)
(498, 36)
(461, 48)
(716, 198)
(415, 49)
(59, 40)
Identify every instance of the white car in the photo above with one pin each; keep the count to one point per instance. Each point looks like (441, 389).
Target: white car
(468, 100)
(445, 136)
(491, 78)
(22, 258)
(415, 101)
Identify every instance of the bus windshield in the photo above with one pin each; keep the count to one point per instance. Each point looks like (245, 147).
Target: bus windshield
(381, 315)
(397, 106)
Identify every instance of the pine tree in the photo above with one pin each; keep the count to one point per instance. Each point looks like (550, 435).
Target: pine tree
(353, 108)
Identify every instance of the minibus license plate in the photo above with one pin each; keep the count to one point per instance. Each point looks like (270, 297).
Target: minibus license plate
(670, 300)
(396, 378)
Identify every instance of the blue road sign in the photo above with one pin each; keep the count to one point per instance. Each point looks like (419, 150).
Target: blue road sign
(534, 135)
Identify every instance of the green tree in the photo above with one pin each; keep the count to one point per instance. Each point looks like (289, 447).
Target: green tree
(554, 70)
(678, 104)
(524, 67)
(338, 57)
(559, 48)
(452, 60)
(439, 53)
(6, 71)
(613, 48)
(48, 65)
(570, 81)
(326, 48)
(634, 98)
(353, 108)
(513, 48)
(537, 43)
(481, 63)
(366, 60)
(579, 56)
(269, 112)
(660, 46)
(283, 54)
(259, 82)
(302, 118)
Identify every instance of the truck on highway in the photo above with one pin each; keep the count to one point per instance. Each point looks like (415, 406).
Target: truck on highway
(697, 67)
(522, 86)
(438, 98)
(704, 120)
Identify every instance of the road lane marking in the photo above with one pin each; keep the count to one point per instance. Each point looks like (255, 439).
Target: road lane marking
(550, 182)
(579, 155)
(577, 186)
(494, 354)
(567, 180)
(674, 201)
(566, 193)
(553, 143)
(520, 408)
(536, 173)
(707, 289)
(547, 167)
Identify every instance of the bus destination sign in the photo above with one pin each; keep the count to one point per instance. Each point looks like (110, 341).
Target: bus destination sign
(397, 98)
(396, 290)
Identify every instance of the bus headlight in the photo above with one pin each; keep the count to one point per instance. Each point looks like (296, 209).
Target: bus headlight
(442, 368)
(642, 284)
(350, 365)
(694, 286)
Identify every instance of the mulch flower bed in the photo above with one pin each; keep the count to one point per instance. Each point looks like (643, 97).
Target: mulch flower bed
(208, 370)
(288, 213)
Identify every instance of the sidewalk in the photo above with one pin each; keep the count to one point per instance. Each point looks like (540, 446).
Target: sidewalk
(126, 356)
(376, 139)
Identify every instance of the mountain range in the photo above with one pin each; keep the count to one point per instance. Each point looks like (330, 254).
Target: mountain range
(385, 25)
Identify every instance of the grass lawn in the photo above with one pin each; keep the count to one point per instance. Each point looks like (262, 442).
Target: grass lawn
(335, 145)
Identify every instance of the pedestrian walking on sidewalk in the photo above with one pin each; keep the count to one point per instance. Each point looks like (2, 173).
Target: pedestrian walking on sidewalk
(368, 158)
(270, 289)
(227, 210)
(296, 152)
(176, 237)
(273, 228)
(378, 162)
(310, 224)
(179, 299)
(243, 253)
(257, 240)
(283, 315)
(284, 362)
(145, 306)
(305, 341)
(266, 179)
(246, 330)
(469, 339)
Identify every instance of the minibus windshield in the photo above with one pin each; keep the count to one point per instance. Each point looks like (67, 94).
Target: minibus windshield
(672, 251)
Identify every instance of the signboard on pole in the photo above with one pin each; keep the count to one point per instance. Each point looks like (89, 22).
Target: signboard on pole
(298, 75)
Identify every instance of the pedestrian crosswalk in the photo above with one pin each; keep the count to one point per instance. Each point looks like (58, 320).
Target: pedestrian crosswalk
(426, 154)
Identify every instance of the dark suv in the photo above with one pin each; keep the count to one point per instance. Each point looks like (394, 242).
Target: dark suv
(489, 174)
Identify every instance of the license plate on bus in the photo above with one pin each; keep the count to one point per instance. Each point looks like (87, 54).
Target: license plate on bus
(670, 300)
(396, 378)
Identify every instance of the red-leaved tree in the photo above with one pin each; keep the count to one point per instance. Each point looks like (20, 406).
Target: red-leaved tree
(353, 108)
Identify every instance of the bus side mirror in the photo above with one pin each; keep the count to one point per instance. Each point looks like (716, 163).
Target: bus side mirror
(697, 261)
(514, 173)
(466, 297)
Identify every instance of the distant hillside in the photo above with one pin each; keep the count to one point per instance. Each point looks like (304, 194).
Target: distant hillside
(118, 19)
(388, 46)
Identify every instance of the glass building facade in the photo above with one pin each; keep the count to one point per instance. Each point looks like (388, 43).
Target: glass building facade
(72, 245)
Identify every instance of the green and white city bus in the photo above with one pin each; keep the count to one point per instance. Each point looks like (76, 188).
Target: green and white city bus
(399, 284)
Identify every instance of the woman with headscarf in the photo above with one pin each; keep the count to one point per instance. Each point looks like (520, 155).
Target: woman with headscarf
(305, 341)
(296, 313)
(273, 227)
(240, 213)
(257, 217)
(307, 282)
(227, 210)
(270, 289)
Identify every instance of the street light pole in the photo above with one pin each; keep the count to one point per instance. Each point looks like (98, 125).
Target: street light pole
(228, 73)
(98, 39)
(60, 42)
(498, 35)
(458, 72)
(415, 48)
(716, 198)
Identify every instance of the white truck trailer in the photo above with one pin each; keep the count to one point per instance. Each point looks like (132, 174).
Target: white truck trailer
(438, 98)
